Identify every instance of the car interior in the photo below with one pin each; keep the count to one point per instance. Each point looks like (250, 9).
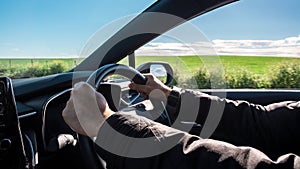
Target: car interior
(31, 119)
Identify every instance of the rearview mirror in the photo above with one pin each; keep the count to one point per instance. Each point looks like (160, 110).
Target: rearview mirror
(162, 70)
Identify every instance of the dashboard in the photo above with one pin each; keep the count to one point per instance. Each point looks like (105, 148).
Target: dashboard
(36, 105)
(12, 151)
(116, 93)
(35, 110)
(31, 121)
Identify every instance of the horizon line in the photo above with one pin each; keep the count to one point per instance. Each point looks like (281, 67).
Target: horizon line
(77, 57)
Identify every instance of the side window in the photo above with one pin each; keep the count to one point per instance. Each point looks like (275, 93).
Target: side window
(232, 72)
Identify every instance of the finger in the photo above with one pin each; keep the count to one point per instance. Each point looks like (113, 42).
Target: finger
(149, 76)
(145, 96)
(87, 108)
(139, 88)
(68, 111)
(70, 117)
(102, 104)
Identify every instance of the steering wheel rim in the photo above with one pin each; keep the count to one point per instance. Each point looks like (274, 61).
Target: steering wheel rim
(97, 76)
(86, 144)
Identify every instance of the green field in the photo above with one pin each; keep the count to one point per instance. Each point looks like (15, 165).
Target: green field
(12, 63)
(254, 64)
(189, 71)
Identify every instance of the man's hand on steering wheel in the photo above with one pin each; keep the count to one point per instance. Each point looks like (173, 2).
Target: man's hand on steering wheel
(153, 89)
(86, 110)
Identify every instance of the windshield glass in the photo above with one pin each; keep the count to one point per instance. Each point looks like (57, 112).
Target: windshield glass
(230, 47)
(40, 38)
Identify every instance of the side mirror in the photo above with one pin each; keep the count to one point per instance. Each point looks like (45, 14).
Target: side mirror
(162, 70)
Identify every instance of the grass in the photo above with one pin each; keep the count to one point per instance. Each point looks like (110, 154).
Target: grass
(184, 64)
(11, 63)
(255, 64)
(190, 71)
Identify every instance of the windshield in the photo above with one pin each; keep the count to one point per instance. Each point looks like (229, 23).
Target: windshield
(231, 47)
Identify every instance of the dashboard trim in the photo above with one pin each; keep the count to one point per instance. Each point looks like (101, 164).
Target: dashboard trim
(27, 115)
(44, 112)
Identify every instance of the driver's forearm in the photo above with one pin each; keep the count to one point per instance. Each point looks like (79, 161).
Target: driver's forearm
(166, 148)
(243, 123)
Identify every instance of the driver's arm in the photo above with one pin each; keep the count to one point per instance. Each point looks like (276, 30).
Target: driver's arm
(131, 141)
(273, 129)
(134, 142)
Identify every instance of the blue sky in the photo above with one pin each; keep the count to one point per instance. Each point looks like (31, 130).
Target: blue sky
(38, 28)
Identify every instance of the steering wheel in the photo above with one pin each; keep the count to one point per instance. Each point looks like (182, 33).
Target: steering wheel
(97, 76)
(86, 144)
(100, 74)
